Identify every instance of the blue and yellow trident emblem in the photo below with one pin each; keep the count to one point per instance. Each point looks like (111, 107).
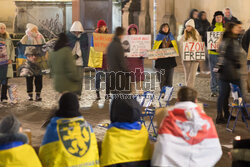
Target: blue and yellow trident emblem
(75, 135)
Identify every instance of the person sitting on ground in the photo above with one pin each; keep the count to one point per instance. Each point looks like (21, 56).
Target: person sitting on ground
(241, 153)
(69, 139)
(14, 150)
(126, 142)
(186, 135)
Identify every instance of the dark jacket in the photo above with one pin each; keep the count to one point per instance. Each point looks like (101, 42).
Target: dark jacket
(83, 44)
(230, 54)
(233, 19)
(239, 153)
(116, 62)
(196, 21)
(203, 27)
(246, 40)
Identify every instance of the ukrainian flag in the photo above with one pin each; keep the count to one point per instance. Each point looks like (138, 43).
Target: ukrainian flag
(18, 154)
(124, 143)
(95, 58)
(160, 37)
(69, 142)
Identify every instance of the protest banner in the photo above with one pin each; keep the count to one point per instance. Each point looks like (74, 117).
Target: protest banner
(212, 40)
(162, 53)
(102, 41)
(3, 55)
(136, 45)
(194, 51)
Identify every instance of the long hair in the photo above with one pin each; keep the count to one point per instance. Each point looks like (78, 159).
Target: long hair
(162, 26)
(229, 27)
(63, 41)
(191, 34)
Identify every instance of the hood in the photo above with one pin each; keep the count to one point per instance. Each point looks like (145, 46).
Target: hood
(133, 26)
(8, 138)
(77, 26)
(125, 110)
(192, 12)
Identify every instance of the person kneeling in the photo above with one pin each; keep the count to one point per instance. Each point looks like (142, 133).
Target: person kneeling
(126, 142)
(187, 136)
(14, 150)
(69, 139)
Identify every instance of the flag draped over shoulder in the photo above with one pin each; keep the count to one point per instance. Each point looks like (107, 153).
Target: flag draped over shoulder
(69, 142)
(125, 142)
(41, 60)
(187, 137)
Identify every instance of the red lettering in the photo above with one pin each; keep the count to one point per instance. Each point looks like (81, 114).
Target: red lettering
(192, 45)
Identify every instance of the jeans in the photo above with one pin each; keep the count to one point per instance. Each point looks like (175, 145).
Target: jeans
(38, 83)
(4, 90)
(214, 86)
(224, 94)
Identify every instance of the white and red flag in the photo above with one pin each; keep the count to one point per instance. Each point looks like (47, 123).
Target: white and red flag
(187, 138)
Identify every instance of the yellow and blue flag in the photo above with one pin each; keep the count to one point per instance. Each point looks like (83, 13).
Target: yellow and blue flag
(95, 58)
(69, 142)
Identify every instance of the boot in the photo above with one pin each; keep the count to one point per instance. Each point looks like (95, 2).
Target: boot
(98, 95)
(30, 98)
(38, 97)
(220, 120)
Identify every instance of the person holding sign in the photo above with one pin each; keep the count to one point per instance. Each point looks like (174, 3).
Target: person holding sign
(191, 35)
(165, 66)
(136, 65)
(7, 54)
(213, 35)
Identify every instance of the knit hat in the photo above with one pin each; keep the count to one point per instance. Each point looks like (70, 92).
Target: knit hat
(77, 27)
(125, 110)
(101, 23)
(9, 124)
(190, 22)
(134, 27)
(68, 106)
(32, 50)
(217, 13)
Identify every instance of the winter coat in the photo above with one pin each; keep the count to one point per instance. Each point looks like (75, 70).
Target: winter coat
(229, 59)
(196, 21)
(246, 40)
(83, 39)
(217, 27)
(165, 63)
(10, 54)
(117, 63)
(204, 25)
(241, 153)
(64, 70)
(233, 19)
(14, 151)
(136, 63)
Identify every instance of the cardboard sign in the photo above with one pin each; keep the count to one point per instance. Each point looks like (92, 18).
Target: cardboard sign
(212, 40)
(136, 45)
(3, 55)
(162, 53)
(102, 41)
(194, 51)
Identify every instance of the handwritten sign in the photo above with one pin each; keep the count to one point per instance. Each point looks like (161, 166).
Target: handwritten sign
(102, 41)
(194, 51)
(162, 53)
(212, 40)
(3, 55)
(136, 45)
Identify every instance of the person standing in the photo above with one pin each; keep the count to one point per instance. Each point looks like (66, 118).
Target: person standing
(78, 41)
(190, 67)
(229, 68)
(136, 65)
(165, 66)
(193, 15)
(204, 25)
(246, 40)
(117, 65)
(229, 16)
(101, 28)
(6, 41)
(33, 37)
(63, 68)
(217, 26)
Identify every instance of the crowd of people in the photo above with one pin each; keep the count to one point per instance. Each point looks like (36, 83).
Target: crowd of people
(70, 140)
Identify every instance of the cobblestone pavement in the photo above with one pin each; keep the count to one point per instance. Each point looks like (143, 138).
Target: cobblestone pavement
(33, 114)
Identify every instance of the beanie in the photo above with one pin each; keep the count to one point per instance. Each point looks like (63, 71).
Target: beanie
(9, 124)
(68, 106)
(101, 23)
(190, 22)
(217, 13)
